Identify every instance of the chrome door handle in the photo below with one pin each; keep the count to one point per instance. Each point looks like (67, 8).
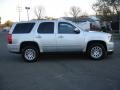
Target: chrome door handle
(60, 36)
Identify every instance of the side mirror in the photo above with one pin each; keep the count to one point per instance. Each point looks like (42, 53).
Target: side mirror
(76, 30)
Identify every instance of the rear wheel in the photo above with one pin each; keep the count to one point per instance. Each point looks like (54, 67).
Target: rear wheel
(96, 51)
(30, 53)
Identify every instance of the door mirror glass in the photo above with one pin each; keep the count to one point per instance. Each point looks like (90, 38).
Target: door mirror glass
(76, 30)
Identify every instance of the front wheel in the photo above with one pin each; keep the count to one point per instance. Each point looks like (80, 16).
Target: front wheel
(30, 54)
(96, 51)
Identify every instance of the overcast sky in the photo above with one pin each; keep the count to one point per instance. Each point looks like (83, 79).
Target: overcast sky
(53, 8)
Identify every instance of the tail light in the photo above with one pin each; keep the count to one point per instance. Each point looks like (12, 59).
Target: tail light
(9, 38)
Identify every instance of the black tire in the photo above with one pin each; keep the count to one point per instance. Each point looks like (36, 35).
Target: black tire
(30, 53)
(96, 55)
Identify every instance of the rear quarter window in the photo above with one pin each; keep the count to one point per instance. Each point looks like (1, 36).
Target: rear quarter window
(23, 28)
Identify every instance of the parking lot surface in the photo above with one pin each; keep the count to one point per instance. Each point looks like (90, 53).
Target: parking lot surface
(58, 72)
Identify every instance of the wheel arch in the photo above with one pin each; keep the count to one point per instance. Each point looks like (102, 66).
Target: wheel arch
(29, 43)
(96, 42)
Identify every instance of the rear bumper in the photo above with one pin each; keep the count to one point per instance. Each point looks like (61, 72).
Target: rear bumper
(13, 48)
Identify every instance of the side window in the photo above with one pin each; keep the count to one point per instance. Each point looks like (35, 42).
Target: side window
(46, 28)
(66, 28)
(23, 28)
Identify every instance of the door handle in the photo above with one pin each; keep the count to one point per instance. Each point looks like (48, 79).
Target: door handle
(38, 37)
(60, 36)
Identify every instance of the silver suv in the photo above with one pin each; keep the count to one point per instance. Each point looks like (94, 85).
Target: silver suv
(35, 37)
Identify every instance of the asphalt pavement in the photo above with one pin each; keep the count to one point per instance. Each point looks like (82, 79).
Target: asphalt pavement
(58, 72)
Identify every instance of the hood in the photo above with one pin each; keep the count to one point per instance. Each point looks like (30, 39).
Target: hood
(99, 33)
(94, 35)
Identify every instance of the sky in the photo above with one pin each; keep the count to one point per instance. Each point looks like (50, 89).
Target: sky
(53, 8)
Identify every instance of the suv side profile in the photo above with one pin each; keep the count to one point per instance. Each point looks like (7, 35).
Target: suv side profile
(35, 37)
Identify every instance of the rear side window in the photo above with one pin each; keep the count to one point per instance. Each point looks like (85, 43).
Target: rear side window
(23, 28)
(46, 28)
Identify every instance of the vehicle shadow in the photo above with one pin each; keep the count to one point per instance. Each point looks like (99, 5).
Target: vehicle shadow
(54, 57)
(62, 57)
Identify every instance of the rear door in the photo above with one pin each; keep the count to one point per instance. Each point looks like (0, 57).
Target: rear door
(46, 36)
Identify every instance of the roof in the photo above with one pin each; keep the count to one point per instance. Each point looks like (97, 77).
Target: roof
(44, 20)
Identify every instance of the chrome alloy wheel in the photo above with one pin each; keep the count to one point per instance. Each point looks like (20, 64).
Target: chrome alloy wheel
(30, 54)
(96, 52)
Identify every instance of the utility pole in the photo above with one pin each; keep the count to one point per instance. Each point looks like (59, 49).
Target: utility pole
(27, 8)
(19, 10)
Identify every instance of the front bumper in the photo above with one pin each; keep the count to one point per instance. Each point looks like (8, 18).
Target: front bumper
(110, 47)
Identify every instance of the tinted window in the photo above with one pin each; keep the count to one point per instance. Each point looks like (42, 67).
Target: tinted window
(66, 28)
(46, 27)
(23, 28)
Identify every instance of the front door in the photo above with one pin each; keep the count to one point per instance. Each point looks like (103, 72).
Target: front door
(68, 39)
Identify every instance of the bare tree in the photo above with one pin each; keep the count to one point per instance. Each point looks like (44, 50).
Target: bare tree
(39, 12)
(108, 8)
(101, 8)
(114, 3)
(75, 12)
(116, 6)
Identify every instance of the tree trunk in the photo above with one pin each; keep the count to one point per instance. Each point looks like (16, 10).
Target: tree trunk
(118, 14)
(119, 21)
